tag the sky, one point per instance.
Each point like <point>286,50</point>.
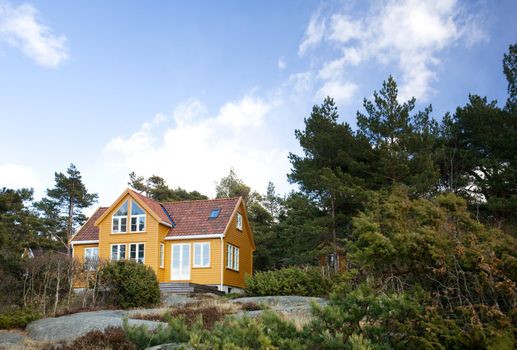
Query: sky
<point>187,90</point>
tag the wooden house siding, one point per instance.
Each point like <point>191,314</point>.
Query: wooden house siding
<point>200,275</point>
<point>242,240</point>
<point>149,237</point>
<point>78,251</point>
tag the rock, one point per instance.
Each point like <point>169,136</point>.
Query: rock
<point>70,327</point>
<point>283,303</point>
<point>294,308</point>
<point>10,338</point>
<point>176,299</point>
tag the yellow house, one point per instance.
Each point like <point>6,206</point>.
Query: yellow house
<point>201,242</point>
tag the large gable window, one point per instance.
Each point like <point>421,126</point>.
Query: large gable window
<point>119,220</point>
<point>137,218</point>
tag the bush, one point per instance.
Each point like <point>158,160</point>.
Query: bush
<point>131,284</point>
<point>113,338</point>
<point>18,318</point>
<point>177,331</point>
<point>306,281</point>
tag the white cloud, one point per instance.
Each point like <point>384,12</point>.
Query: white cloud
<point>248,112</point>
<point>20,27</point>
<point>410,34</point>
<point>344,29</point>
<point>342,92</point>
<point>19,176</point>
<point>281,63</point>
<point>333,69</point>
<point>197,149</point>
<point>313,34</point>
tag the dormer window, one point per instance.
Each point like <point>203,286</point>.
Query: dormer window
<point>119,221</point>
<point>137,218</point>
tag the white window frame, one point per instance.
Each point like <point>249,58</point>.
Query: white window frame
<point>118,245</point>
<point>88,255</point>
<point>118,219</point>
<point>239,221</point>
<point>229,256</point>
<point>201,246</point>
<point>188,272</point>
<point>232,257</point>
<point>136,217</point>
<point>116,222</point>
<point>136,252</point>
<point>162,255</point>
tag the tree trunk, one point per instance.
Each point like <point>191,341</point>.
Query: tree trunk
<point>58,280</point>
<point>69,225</point>
<point>70,273</point>
<point>45,282</point>
<point>334,237</point>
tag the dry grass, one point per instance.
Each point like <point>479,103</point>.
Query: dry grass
<point>211,310</point>
<point>113,338</point>
<point>250,306</point>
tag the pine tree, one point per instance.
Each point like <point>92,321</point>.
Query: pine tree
<point>62,208</point>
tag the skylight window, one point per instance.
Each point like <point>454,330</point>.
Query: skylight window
<point>214,213</point>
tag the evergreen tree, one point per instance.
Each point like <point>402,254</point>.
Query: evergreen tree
<point>232,186</point>
<point>62,208</point>
<point>479,153</point>
<point>328,172</point>
<point>156,187</point>
<point>402,144</point>
<point>19,224</point>
<point>510,71</point>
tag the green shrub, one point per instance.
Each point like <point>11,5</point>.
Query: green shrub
<point>177,331</point>
<point>131,284</point>
<point>306,281</point>
<point>18,318</point>
<point>269,331</point>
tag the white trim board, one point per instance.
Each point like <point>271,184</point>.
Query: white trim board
<point>177,238</point>
<point>84,242</point>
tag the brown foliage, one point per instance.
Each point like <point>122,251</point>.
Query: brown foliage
<point>113,338</point>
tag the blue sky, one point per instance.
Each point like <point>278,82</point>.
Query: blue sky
<point>186,90</point>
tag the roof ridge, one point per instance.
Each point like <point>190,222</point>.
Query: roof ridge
<point>200,200</point>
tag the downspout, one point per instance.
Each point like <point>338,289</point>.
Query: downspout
<point>222,263</point>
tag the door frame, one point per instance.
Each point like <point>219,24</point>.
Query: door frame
<point>182,246</point>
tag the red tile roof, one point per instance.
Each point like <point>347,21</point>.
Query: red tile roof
<point>90,232</point>
<point>154,206</point>
<point>190,217</point>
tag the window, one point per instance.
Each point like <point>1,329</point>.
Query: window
<point>239,221</point>
<point>214,214</point>
<point>232,259</point>
<point>162,257</point>
<point>119,221</point>
<point>202,254</point>
<point>136,252</point>
<point>137,218</point>
<point>91,258</point>
<point>118,252</point>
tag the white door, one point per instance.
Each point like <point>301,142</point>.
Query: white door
<point>180,262</point>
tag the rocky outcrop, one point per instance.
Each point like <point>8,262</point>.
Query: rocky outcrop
<point>70,327</point>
